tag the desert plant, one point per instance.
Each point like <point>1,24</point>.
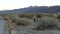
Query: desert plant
<point>38,16</point>
<point>46,23</point>
<point>22,22</point>
<point>58,16</point>
<point>19,21</point>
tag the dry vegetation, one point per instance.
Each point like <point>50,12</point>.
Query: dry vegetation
<point>45,21</point>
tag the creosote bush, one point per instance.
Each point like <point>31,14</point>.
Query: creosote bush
<point>22,22</point>
<point>58,16</point>
<point>19,21</point>
<point>46,23</point>
<point>26,15</point>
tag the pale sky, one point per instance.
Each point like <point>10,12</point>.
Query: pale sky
<point>14,4</point>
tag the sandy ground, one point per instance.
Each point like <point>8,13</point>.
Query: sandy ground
<point>27,30</point>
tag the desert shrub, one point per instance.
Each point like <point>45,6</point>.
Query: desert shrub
<point>58,16</point>
<point>13,19</point>
<point>1,17</point>
<point>38,16</point>
<point>22,22</point>
<point>19,21</point>
<point>46,23</point>
<point>5,18</point>
<point>21,15</point>
<point>26,15</point>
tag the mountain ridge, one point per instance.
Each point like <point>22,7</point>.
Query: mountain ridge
<point>33,9</point>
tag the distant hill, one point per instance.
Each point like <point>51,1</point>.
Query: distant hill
<point>33,9</point>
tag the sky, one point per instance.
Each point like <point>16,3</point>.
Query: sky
<point>15,4</point>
